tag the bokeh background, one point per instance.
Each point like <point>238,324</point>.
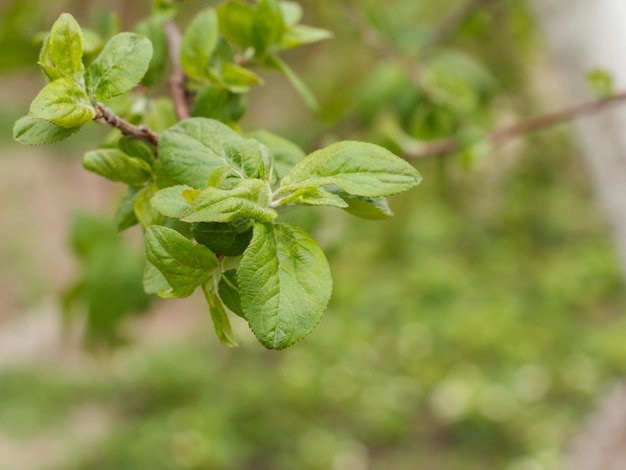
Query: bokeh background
<point>479,328</point>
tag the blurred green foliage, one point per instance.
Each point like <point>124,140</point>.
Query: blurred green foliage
<point>472,331</point>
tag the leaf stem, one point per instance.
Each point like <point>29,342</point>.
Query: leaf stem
<point>106,116</point>
<point>177,79</point>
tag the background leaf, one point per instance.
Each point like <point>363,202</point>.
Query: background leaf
<point>199,41</point>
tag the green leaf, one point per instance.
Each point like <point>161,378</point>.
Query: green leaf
<point>248,199</point>
<point>146,214</point>
<point>62,52</point>
<point>183,264</point>
<point>154,282</point>
<point>236,21</point>
<point>228,239</point>
<point>115,165</point>
<point>269,26</point>
<point>314,196</point>
<point>64,103</point>
<point>154,29</point>
<point>191,150</point>
<point>220,318</point>
<point>120,66</point>
<point>199,42</point>
<point>160,115</point>
<point>358,168</point>
<point>137,149</point>
<point>220,104</point>
<point>303,90</point>
<point>292,13</point>
<point>228,289</point>
<point>238,79</point>
<point>170,201</point>
<point>285,153</point>
<point>31,131</point>
<point>301,34</point>
<point>376,208</point>
<point>125,215</point>
<point>285,284</point>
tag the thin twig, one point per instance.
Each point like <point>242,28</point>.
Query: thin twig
<point>500,136</point>
<point>106,116</point>
<point>177,78</point>
<point>449,26</point>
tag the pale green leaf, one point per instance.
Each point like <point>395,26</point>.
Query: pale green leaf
<point>220,318</point>
<point>314,196</point>
<point>302,34</point>
<point>358,168</point>
<point>285,284</point>
<point>228,289</point>
<point>64,103</point>
<point>248,199</point>
<point>145,213</point>
<point>199,42</point>
<point>154,282</point>
<point>292,13</point>
<point>191,150</point>
<point>37,131</point>
<point>183,264</point>
<point>62,52</point>
<point>115,165</point>
<point>120,66</point>
<point>170,201</point>
<point>376,208</point>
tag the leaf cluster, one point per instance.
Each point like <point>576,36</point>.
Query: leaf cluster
<point>207,195</point>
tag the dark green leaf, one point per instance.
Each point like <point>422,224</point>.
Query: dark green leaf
<point>125,215</point>
<point>376,208</point>
<point>228,239</point>
<point>31,131</point>
<point>228,289</point>
<point>137,149</point>
<point>285,284</point>
<point>183,264</point>
<point>120,66</point>
<point>115,165</point>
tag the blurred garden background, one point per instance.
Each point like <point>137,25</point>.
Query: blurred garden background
<point>477,329</point>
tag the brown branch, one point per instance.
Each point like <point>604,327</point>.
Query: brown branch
<point>177,78</point>
<point>105,116</point>
<point>500,136</point>
<point>450,25</point>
